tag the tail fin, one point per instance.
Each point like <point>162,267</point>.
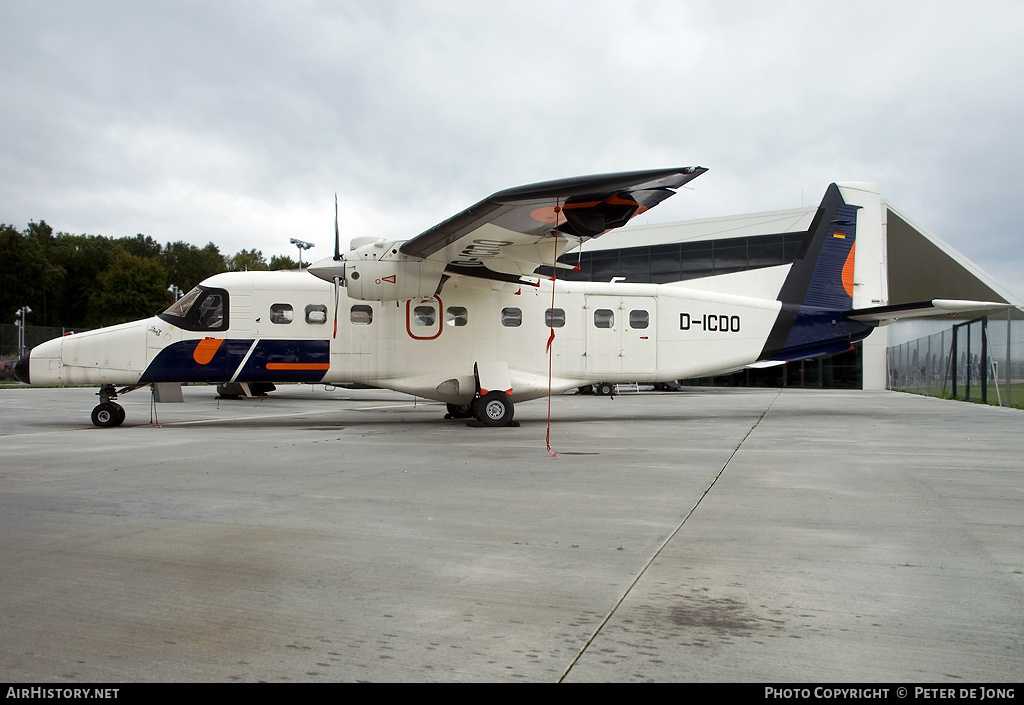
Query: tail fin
<point>819,288</point>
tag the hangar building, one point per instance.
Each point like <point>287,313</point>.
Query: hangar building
<point>897,261</point>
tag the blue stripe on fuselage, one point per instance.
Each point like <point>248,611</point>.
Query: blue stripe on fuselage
<point>309,352</point>
<point>177,363</point>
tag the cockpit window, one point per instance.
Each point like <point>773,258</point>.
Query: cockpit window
<point>202,309</point>
<point>211,312</point>
<point>180,307</point>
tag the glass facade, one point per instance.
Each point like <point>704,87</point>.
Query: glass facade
<point>980,361</point>
<point>661,264</point>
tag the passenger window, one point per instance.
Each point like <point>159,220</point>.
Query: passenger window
<point>361,315</point>
<point>511,317</point>
<point>554,318</point>
<point>638,319</point>
<point>316,313</point>
<point>281,313</point>
<point>423,315</point>
<point>604,318</point>
<point>457,316</point>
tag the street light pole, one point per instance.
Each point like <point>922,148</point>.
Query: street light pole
<point>302,245</point>
<point>21,329</point>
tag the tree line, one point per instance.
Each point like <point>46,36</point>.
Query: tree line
<point>85,281</point>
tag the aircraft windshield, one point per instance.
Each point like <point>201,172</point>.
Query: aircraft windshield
<point>202,309</point>
<point>180,307</point>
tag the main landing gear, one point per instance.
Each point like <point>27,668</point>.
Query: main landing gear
<point>491,406</point>
<point>108,413</point>
<point>492,409</point>
<point>460,411</point>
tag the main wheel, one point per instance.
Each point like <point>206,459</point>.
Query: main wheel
<point>106,415</point>
<point>120,414</point>
<point>604,389</point>
<point>460,411</point>
<point>495,409</point>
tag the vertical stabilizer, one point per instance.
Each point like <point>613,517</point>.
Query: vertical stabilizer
<point>819,287</point>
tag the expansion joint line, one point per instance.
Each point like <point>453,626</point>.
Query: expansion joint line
<point>665,543</point>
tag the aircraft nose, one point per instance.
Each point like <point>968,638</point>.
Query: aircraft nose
<point>21,367</point>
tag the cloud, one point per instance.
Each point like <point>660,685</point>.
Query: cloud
<point>237,121</point>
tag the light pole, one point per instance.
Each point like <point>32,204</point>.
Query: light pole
<point>175,291</point>
<point>302,245</point>
<point>21,329</point>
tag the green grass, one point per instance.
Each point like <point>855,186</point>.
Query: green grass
<point>1016,394</point>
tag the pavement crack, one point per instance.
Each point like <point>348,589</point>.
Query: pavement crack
<point>629,588</point>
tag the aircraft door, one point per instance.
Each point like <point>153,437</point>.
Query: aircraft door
<point>424,320</point>
<point>639,342</point>
<point>621,337</point>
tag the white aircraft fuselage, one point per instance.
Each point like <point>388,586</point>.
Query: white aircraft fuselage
<point>280,328</point>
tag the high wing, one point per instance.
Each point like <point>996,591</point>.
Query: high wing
<point>514,231</point>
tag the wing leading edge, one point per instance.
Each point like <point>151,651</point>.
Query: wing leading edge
<point>516,230</point>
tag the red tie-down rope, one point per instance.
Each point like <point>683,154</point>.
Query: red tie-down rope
<point>551,325</point>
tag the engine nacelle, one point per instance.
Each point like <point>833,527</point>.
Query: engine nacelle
<point>375,270</point>
<point>392,280</point>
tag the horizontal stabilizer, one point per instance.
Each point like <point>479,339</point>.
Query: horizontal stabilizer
<point>764,364</point>
<point>935,307</point>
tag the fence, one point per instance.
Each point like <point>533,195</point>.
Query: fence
<point>981,360</point>
<point>33,336</point>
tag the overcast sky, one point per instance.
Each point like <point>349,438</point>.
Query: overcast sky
<point>236,122</point>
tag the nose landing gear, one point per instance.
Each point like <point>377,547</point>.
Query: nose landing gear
<point>108,413</point>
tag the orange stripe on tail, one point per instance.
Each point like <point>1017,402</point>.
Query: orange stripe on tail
<point>848,271</point>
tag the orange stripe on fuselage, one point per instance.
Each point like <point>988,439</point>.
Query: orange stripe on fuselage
<point>298,366</point>
<point>206,349</point>
<point>848,271</point>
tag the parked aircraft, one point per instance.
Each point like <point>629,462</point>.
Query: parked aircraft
<point>456,314</point>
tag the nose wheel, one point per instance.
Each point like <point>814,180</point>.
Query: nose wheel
<point>107,414</point>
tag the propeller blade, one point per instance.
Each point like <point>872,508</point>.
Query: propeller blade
<point>337,238</point>
<point>337,285</point>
